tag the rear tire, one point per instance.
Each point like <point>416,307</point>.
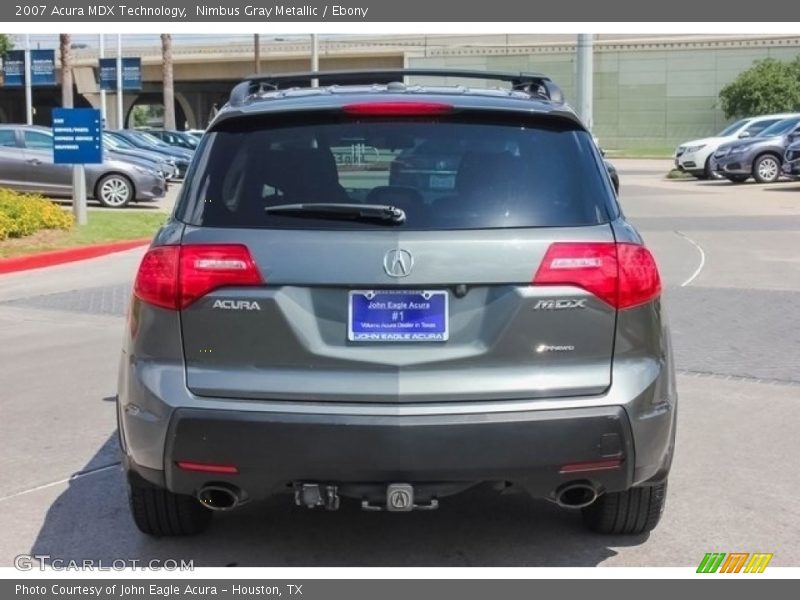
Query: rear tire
<point>632,512</point>
<point>159,512</point>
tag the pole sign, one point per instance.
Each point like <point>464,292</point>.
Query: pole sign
<point>131,74</point>
<point>14,68</point>
<point>107,71</point>
<point>77,136</point>
<point>43,67</point>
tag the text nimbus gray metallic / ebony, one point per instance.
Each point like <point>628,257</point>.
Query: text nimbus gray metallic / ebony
<point>281,10</point>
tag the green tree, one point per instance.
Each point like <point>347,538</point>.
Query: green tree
<point>140,116</point>
<point>769,86</point>
<point>5,44</point>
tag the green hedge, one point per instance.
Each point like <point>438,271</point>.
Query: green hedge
<point>24,214</point>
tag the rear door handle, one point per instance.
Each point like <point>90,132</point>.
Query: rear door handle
<point>34,161</point>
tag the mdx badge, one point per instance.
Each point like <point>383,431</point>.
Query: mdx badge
<point>236,305</point>
<point>559,304</point>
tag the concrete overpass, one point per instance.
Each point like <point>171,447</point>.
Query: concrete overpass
<point>650,91</point>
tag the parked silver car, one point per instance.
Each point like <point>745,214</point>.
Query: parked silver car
<point>26,165</point>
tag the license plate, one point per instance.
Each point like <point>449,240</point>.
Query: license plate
<point>397,316</point>
<point>442,182</point>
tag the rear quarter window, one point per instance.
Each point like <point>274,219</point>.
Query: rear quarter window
<point>446,173</point>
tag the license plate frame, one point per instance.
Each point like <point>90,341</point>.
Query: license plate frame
<point>415,324</point>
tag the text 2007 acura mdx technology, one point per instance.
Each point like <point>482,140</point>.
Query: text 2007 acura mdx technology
<point>391,293</point>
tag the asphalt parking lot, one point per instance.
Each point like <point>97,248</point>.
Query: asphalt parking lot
<point>730,260</point>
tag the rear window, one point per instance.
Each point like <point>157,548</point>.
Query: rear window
<point>444,174</point>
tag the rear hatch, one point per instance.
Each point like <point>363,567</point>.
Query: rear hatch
<point>364,256</point>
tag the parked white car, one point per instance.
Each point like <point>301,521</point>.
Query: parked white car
<point>694,156</point>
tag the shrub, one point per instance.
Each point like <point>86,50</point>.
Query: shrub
<point>769,86</point>
<point>24,214</point>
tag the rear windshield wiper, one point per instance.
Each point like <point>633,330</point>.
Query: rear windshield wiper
<point>336,210</point>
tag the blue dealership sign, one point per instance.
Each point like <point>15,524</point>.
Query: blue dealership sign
<point>43,67</point>
<point>107,71</point>
<point>14,68</point>
<point>131,74</point>
<point>77,136</point>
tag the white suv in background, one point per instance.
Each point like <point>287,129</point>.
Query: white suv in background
<point>693,156</point>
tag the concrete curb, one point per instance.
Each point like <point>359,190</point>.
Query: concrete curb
<point>58,257</point>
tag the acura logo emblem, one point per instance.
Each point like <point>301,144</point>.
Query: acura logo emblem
<point>398,262</point>
<point>400,499</point>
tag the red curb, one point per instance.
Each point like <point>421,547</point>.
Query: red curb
<point>58,257</point>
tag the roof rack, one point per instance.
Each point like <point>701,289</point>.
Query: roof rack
<point>534,84</point>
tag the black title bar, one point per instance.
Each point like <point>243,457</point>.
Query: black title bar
<point>355,11</point>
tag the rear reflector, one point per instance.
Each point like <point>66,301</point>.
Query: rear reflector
<point>597,465</point>
<point>623,275</point>
<point>397,109</point>
<point>207,467</point>
<point>174,277</point>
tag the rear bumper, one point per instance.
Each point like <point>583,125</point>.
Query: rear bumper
<point>530,449</point>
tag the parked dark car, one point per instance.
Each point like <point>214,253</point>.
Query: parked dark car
<point>791,161</point>
<point>145,141</point>
<point>179,139</point>
<point>326,316</point>
<point>127,151</point>
<point>26,165</point>
<point>759,157</point>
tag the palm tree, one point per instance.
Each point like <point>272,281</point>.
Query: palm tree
<point>65,49</point>
<point>167,79</point>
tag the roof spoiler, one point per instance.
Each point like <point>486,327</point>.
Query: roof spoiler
<point>534,84</point>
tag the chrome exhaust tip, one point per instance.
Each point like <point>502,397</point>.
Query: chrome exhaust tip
<point>576,495</point>
<point>219,497</point>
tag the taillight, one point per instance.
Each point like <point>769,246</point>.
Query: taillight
<point>157,278</point>
<point>204,268</point>
<point>639,281</point>
<point>174,277</point>
<point>623,275</point>
<point>397,109</point>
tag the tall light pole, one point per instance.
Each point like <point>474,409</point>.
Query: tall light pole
<point>28,88</point>
<point>102,90</point>
<point>585,63</point>
<point>120,116</point>
<point>314,58</point>
<point>257,52</point>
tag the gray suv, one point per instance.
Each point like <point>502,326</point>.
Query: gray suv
<point>759,157</point>
<point>387,294</point>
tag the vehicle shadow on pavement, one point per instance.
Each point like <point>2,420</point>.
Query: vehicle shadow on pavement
<point>788,186</point>
<point>90,520</point>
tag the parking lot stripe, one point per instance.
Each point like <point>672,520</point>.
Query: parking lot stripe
<point>702,258</point>
<point>74,477</point>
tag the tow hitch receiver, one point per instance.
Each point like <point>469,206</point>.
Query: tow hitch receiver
<point>312,495</point>
<point>400,498</point>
